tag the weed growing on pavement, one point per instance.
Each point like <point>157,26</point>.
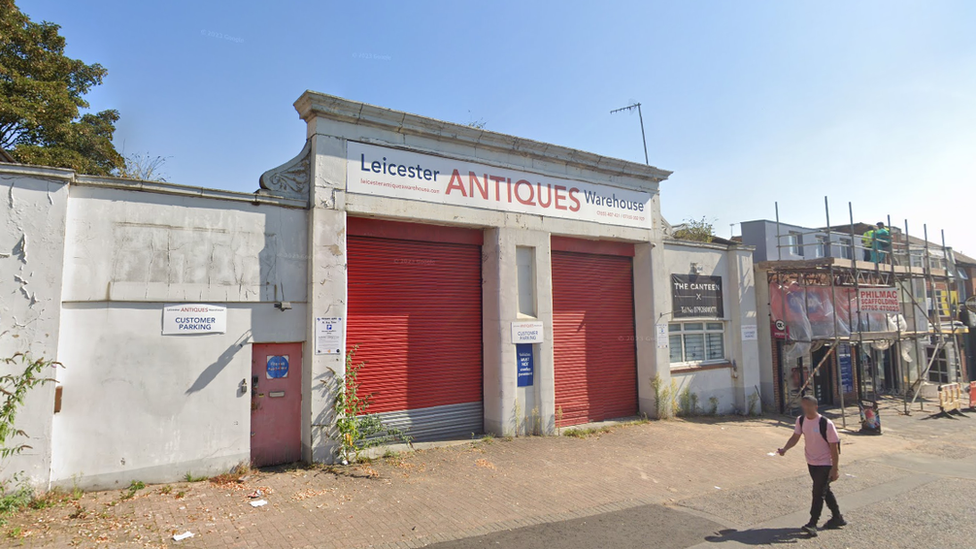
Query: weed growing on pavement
<point>488,438</point>
<point>15,492</point>
<point>134,487</point>
<point>189,477</point>
<point>664,397</point>
<point>688,403</point>
<point>180,494</point>
<point>518,417</point>
<point>583,433</point>
<point>165,490</point>
<point>14,388</point>
<point>754,408</point>
<point>559,420</point>
<point>536,422</point>
<point>355,429</point>
<point>234,476</point>
<point>79,512</point>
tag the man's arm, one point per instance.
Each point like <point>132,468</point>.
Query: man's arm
<point>789,444</point>
<point>834,461</point>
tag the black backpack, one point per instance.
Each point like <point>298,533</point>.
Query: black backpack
<point>823,429</point>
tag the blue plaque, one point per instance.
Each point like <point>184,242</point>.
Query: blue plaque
<point>526,364</point>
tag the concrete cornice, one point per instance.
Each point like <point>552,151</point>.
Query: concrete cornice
<point>183,190</point>
<point>313,104</point>
<point>708,245</point>
<point>44,172</point>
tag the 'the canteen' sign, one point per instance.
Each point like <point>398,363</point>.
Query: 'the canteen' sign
<point>194,319</point>
<point>409,175</point>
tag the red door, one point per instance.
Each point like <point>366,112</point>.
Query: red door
<point>414,317</point>
<point>276,403</point>
<point>593,331</point>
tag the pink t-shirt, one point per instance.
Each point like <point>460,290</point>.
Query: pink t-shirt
<point>814,446</point>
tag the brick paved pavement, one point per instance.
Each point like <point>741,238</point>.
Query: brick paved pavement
<point>448,493</point>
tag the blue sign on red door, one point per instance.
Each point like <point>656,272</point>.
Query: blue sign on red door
<point>277,366</point>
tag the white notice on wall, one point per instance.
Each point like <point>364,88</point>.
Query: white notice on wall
<point>328,335</point>
<point>194,318</point>
<point>750,332</point>
<point>527,332</point>
<point>662,336</point>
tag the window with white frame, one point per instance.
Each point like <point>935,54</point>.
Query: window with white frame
<point>823,246</point>
<point>845,248</point>
<point>794,242</point>
<point>696,342</point>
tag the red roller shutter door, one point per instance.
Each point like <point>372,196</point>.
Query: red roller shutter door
<point>593,335</point>
<point>414,312</point>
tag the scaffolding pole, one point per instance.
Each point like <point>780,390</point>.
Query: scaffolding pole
<point>833,299</point>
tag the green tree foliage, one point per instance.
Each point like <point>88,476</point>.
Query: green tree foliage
<point>699,230</point>
<point>41,95</point>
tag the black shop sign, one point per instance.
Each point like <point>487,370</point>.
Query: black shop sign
<point>695,296</point>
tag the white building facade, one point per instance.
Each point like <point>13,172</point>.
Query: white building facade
<point>487,283</point>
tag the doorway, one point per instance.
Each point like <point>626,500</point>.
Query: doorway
<point>276,403</point>
<point>823,380</point>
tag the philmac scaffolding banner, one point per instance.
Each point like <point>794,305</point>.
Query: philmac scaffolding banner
<point>395,173</point>
<point>878,300</point>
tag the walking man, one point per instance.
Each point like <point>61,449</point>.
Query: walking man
<point>821,444</point>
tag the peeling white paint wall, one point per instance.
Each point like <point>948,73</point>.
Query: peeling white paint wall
<point>139,246</point>
<point>140,405</point>
<point>33,204</point>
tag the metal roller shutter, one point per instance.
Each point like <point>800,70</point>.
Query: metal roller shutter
<point>414,312</point>
<point>593,336</point>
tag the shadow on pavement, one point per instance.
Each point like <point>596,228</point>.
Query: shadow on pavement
<point>758,536</point>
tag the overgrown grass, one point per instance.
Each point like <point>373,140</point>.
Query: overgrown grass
<point>576,432</point>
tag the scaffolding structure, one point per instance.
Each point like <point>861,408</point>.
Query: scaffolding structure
<point>819,301</point>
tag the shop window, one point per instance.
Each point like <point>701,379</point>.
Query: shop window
<point>696,342</point>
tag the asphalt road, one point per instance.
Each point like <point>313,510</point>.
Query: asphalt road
<point>899,501</point>
<point>645,526</point>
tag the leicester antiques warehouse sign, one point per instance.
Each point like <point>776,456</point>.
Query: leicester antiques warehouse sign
<point>694,296</point>
<point>401,174</point>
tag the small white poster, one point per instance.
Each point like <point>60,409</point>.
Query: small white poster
<point>194,318</point>
<point>662,336</point>
<point>750,332</point>
<point>328,335</point>
<point>527,332</point>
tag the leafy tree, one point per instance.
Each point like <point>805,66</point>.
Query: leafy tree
<point>41,95</point>
<point>699,230</point>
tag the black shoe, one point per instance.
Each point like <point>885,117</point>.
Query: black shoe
<point>835,522</point>
<point>810,529</point>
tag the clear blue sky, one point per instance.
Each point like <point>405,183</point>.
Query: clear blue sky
<point>748,102</point>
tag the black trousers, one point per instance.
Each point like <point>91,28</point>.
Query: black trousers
<point>821,492</point>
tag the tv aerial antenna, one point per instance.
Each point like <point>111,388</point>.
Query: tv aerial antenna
<point>641,115</point>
